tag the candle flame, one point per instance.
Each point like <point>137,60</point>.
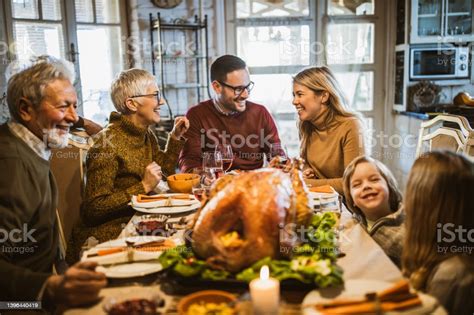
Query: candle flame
<point>264,273</point>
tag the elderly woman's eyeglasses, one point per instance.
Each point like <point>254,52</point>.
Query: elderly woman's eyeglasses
<point>239,89</point>
<point>157,94</point>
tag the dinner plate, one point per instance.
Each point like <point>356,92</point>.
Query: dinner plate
<point>324,201</point>
<point>127,270</point>
<point>162,202</point>
<point>132,270</point>
<point>358,288</point>
<point>157,207</point>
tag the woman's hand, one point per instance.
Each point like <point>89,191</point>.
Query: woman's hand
<point>152,176</point>
<point>309,173</point>
<point>181,125</point>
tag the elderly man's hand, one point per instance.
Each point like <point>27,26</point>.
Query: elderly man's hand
<point>181,125</point>
<point>80,285</point>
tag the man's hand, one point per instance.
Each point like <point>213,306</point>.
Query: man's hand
<point>181,125</point>
<point>152,176</point>
<point>78,286</point>
<point>91,127</point>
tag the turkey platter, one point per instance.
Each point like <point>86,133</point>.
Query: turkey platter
<point>248,216</point>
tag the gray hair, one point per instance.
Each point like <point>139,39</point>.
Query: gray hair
<point>63,65</point>
<point>30,83</point>
<point>127,84</point>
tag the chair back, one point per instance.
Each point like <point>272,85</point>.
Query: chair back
<point>448,132</point>
<point>68,167</point>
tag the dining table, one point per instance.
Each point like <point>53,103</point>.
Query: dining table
<point>362,259</point>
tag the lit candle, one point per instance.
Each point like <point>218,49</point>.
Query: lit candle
<point>265,293</point>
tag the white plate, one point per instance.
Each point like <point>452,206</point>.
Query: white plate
<point>127,270</point>
<point>137,269</point>
<point>150,207</point>
<point>358,288</point>
<point>169,210</point>
<point>162,202</point>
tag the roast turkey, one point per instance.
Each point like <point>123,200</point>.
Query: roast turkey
<point>247,218</point>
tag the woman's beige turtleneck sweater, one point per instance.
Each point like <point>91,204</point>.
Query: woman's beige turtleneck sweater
<point>330,149</point>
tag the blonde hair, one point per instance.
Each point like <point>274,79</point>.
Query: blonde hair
<point>394,193</point>
<point>127,84</point>
<point>440,189</point>
<point>319,80</point>
<point>30,83</point>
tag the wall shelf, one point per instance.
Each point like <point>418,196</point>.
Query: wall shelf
<point>180,60</point>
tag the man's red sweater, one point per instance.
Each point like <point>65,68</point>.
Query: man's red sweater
<point>250,134</point>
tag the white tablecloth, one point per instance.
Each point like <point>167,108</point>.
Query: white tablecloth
<point>364,259</point>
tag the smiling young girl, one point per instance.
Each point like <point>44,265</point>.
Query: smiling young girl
<point>438,255</point>
<point>331,133</point>
<point>373,196</point>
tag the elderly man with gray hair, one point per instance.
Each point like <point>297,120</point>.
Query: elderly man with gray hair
<point>125,159</point>
<point>42,102</point>
<point>67,68</point>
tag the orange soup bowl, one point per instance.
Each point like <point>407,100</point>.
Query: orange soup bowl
<point>203,298</point>
<point>183,183</point>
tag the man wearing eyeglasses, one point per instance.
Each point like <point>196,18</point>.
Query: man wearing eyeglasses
<point>229,118</point>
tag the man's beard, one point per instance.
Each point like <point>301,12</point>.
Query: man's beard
<point>54,139</point>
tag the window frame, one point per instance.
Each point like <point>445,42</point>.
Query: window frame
<point>318,12</point>
<point>377,67</point>
<point>232,23</point>
<point>70,42</point>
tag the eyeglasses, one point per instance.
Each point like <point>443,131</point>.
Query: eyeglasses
<point>239,89</point>
<point>157,94</point>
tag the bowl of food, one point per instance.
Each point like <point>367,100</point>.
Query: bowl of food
<point>183,183</point>
<point>208,302</point>
<point>153,224</point>
<point>136,300</point>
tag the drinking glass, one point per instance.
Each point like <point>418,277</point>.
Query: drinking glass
<point>200,191</point>
<point>227,155</point>
<point>212,165</point>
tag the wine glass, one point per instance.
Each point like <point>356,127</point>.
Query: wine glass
<point>200,191</point>
<point>212,165</point>
<point>227,155</point>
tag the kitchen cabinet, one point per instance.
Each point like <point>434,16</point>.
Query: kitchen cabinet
<point>435,21</point>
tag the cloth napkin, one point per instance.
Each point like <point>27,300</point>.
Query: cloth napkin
<point>139,254</point>
<point>163,202</point>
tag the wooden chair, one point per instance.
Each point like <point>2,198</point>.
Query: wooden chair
<point>68,167</point>
<point>448,132</point>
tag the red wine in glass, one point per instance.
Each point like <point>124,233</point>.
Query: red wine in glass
<point>199,193</point>
<point>226,164</point>
<point>218,172</point>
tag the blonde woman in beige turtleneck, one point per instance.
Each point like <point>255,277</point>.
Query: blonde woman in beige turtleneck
<point>331,133</point>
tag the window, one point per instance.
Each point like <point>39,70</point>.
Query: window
<point>38,29</point>
<point>279,38</point>
<point>273,37</point>
<point>350,52</point>
<point>45,27</point>
<point>98,30</point>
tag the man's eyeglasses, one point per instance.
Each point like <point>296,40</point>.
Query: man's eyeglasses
<point>157,94</point>
<point>239,89</point>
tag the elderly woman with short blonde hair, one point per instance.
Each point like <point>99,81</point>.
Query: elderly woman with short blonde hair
<point>126,159</point>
